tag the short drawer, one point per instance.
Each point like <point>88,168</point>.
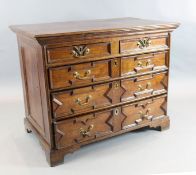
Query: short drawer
<point>144,111</point>
<point>77,53</point>
<point>144,86</point>
<point>143,43</point>
<point>86,99</point>
<point>90,127</point>
<point>80,74</point>
<point>143,63</point>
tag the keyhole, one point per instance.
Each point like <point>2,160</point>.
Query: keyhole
<point>115,63</point>
<point>116,111</point>
<point>116,85</point>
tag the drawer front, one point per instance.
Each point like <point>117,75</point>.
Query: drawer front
<point>90,127</point>
<point>81,100</point>
<point>144,63</point>
<point>77,53</point>
<point>80,74</point>
<point>143,44</point>
<point>144,111</point>
<point>75,131</point>
<point>72,102</point>
<point>144,86</point>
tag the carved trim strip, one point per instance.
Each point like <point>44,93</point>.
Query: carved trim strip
<point>58,139</point>
<point>159,117</point>
<point>152,119</point>
<point>146,91</point>
<point>130,126</point>
<point>57,102</point>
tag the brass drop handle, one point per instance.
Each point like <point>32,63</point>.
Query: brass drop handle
<point>148,85</point>
<point>80,51</point>
<point>141,88</point>
<point>144,43</point>
<point>141,113</point>
<point>145,115</point>
<point>80,77</point>
<point>148,111</point>
<point>146,64</point>
<point>139,64</point>
<point>84,132</point>
<point>86,101</point>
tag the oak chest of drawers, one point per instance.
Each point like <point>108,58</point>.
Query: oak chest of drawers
<point>90,80</point>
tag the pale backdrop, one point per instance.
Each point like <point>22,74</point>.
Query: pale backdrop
<point>139,153</point>
<point>36,11</point>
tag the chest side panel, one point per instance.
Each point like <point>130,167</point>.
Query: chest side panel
<point>33,75</point>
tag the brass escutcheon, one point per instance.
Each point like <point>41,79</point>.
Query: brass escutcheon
<point>79,51</point>
<point>116,111</point>
<point>116,85</point>
<point>115,63</point>
<point>144,43</point>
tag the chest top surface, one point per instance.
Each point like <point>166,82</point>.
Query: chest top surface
<point>89,26</point>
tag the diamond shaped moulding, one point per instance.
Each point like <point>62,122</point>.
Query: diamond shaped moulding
<point>115,92</point>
